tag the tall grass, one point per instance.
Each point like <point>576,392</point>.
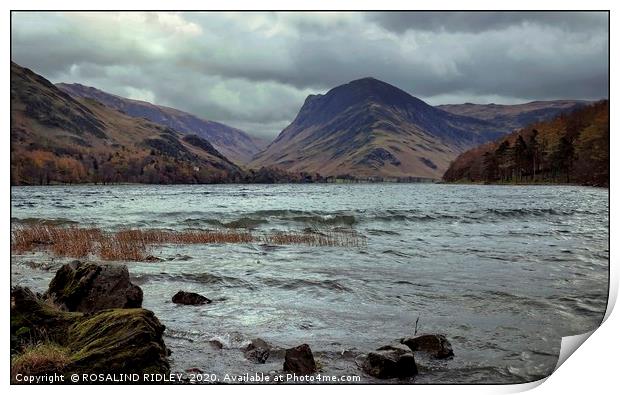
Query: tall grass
<point>63,241</point>
<point>39,359</point>
<point>318,239</point>
<point>134,244</point>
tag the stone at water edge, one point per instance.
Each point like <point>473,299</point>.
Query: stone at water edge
<point>216,343</point>
<point>257,351</point>
<point>118,341</point>
<point>299,360</point>
<point>390,362</point>
<point>89,287</point>
<point>435,345</point>
<point>110,341</point>
<point>152,258</point>
<point>189,298</point>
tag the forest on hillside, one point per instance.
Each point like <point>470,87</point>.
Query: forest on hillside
<point>572,148</point>
<point>44,167</point>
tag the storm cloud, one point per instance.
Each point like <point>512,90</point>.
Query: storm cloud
<point>254,70</point>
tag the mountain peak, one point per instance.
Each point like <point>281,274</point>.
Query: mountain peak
<point>366,80</point>
<point>371,83</point>
<point>370,89</point>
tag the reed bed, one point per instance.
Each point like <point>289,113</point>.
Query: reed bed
<point>316,239</point>
<point>134,244</point>
<point>63,241</point>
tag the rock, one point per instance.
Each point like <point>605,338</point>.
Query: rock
<point>118,341</point>
<point>110,341</point>
<point>152,258</point>
<point>257,351</point>
<point>435,345</point>
<point>194,371</point>
<point>299,360</point>
<point>390,362</point>
<point>216,343</point>
<point>192,298</point>
<point>87,287</point>
<point>179,257</point>
<point>32,319</point>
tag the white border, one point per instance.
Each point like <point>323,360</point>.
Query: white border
<point>592,368</point>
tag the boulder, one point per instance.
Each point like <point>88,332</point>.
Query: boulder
<point>299,360</point>
<point>390,362</point>
<point>32,319</point>
<point>88,287</point>
<point>191,298</point>
<point>118,341</point>
<point>216,343</point>
<point>434,345</point>
<point>108,341</point>
<point>257,351</point>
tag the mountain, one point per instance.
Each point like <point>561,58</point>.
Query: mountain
<point>515,116</point>
<point>233,143</point>
<point>571,148</point>
<point>368,128</point>
<point>58,138</point>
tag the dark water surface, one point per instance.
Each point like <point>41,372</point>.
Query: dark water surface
<point>503,271</point>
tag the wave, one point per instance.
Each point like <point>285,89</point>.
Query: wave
<point>293,284</point>
<point>245,222</point>
<point>329,219</point>
<point>201,278</point>
<point>43,221</point>
<point>351,218</point>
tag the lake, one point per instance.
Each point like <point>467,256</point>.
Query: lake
<point>503,271</point>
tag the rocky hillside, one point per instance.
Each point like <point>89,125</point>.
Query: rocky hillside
<point>235,144</point>
<point>571,148</point>
<point>516,116</point>
<point>368,128</point>
<point>58,138</point>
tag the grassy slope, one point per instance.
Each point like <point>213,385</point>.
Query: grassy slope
<point>56,138</point>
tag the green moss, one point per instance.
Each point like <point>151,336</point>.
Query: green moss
<point>110,341</point>
<point>43,322</point>
<point>22,331</point>
<point>118,340</point>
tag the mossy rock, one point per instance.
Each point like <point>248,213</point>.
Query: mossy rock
<point>89,287</point>
<point>118,341</point>
<point>33,320</point>
<point>71,283</point>
<point>109,341</point>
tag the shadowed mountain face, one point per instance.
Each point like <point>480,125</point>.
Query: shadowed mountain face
<point>58,138</point>
<point>368,128</point>
<point>516,116</point>
<point>235,144</point>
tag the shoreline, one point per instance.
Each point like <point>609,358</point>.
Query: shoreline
<point>520,184</point>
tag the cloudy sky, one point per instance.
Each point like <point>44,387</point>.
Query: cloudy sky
<point>254,70</point>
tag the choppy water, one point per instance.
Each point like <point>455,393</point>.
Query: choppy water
<point>503,271</point>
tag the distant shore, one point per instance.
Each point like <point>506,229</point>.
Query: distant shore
<point>538,183</point>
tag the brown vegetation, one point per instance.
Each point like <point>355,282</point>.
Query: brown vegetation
<point>134,244</point>
<point>321,239</point>
<point>64,241</point>
<point>40,359</point>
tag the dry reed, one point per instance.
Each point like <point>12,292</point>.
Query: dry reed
<point>134,244</point>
